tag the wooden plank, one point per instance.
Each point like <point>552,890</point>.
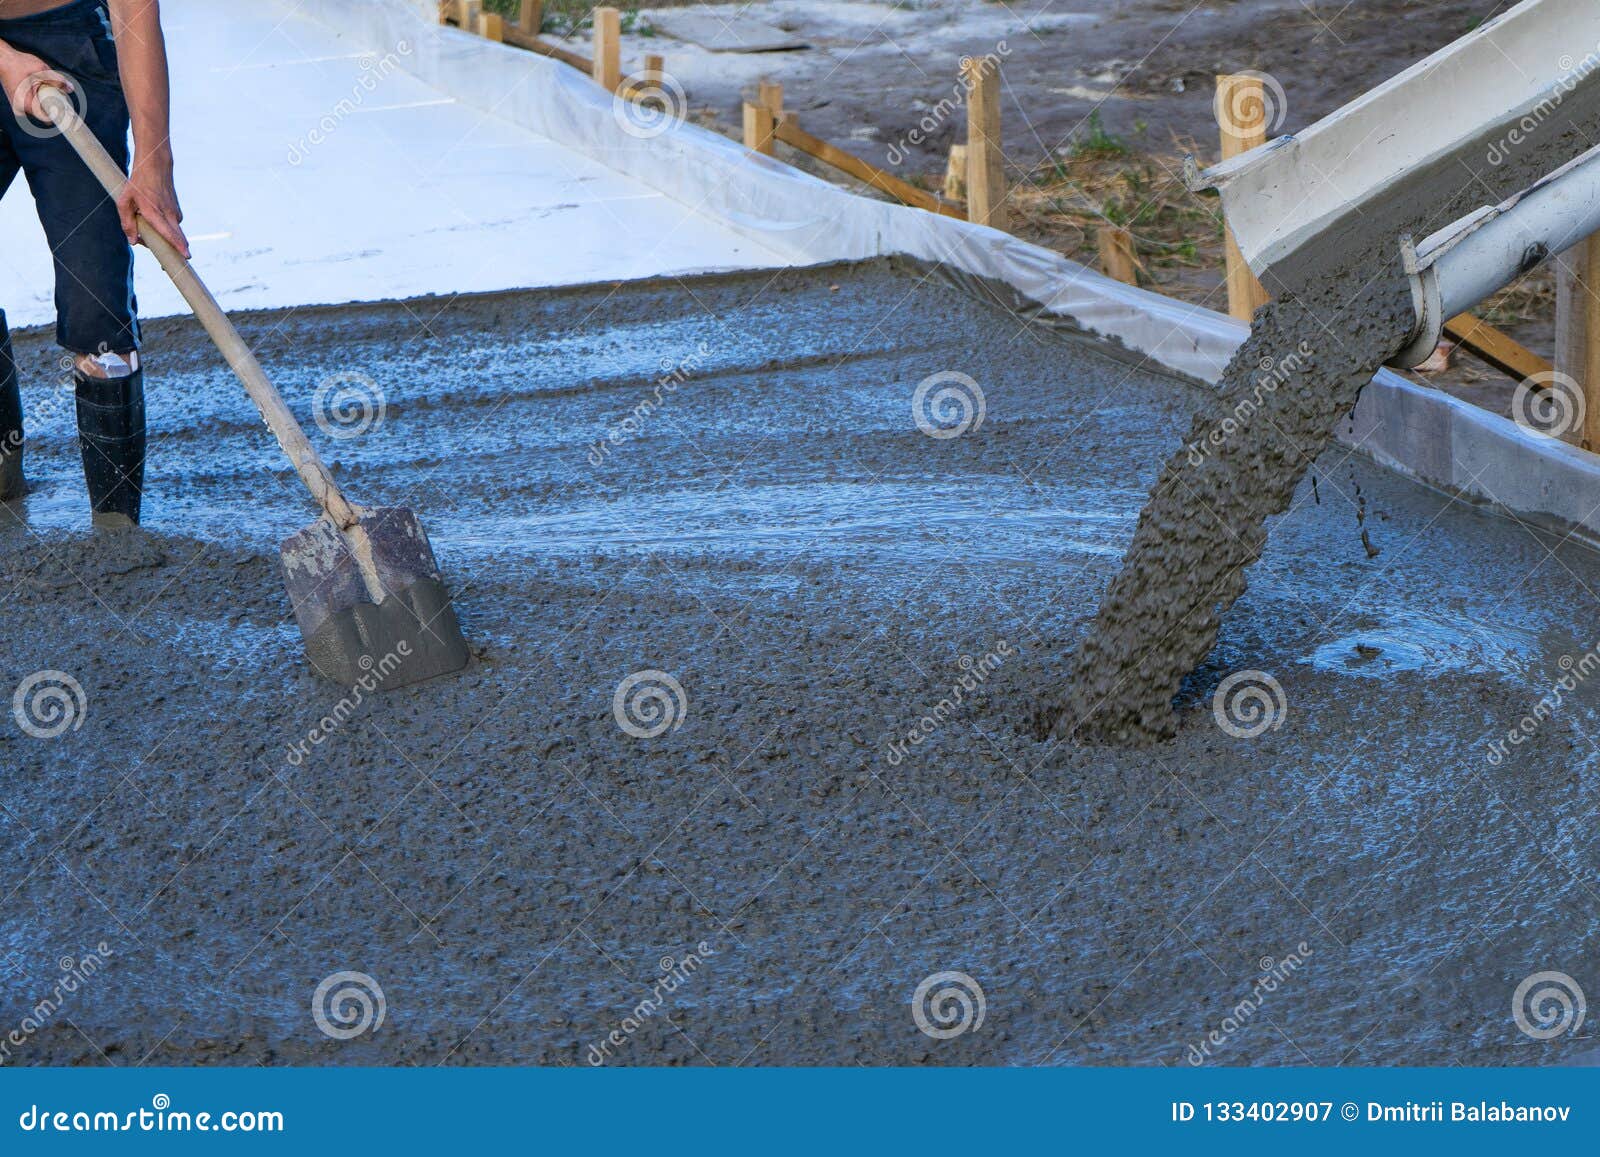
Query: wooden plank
<point>522,39</point>
<point>1244,127</point>
<point>790,133</point>
<point>1496,347</point>
<point>608,48</point>
<point>1117,260</point>
<point>530,16</point>
<point>758,128</point>
<point>986,173</point>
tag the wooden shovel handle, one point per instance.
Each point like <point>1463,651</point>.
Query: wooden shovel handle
<point>266,397</point>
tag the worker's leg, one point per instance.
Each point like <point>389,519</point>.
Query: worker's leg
<point>95,308</point>
<point>11,481</point>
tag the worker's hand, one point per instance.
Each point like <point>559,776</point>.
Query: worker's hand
<point>150,194</point>
<point>23,77</point>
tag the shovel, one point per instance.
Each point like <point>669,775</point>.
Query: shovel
<point>367,594</point>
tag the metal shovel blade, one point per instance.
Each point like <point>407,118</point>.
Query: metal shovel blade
<point>408,636</point>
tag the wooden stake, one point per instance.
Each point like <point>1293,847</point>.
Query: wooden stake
<point>654,66</point>
<point>1245,103</point>
<point>758,128</point>
<point>608,48</point>
<point>986,174</point>
<point>1117,259</point>
<point>468,13</point>
<point>492,26</point>
<point>1591,344</point>
<point>772,98</point>
<point>530,16</point>
<point>955,174</point>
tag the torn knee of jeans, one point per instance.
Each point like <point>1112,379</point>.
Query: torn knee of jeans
<point>109,365</point>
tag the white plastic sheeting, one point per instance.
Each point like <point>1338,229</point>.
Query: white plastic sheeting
<point>315,166</point>
<point>1412,429</point>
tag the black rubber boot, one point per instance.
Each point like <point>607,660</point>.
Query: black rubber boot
<point>111,436</point>
<point>12,484</point>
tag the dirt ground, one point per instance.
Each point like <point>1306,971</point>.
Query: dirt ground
<point>1101,100</point>
<point>840,801</point>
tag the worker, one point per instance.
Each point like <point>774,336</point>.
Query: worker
<point>109,57</point>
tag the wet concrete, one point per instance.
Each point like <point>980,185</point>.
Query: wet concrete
<point>1341,308</point>
<point>514,870</point>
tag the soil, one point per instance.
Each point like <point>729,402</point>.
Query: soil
<point>1135,78</point>
<point>773,531</point>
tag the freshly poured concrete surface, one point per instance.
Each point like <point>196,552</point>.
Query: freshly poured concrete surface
<point>779,537</point>
<point>314,169</point>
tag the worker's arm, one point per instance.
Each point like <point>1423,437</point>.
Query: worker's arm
<point>142,60</point>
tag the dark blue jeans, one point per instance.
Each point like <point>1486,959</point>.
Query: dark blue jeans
<point>95,307</point>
